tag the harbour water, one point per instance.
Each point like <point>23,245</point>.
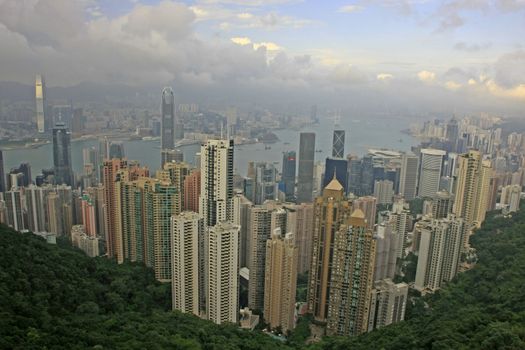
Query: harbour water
<point>360,136</point>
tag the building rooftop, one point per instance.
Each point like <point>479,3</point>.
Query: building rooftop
<point>334,185</point>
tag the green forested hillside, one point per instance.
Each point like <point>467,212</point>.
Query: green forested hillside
<point>55,297</point>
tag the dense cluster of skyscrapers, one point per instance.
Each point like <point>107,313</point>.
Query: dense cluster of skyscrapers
<point>347,222</point>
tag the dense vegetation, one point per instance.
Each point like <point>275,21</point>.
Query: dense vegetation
<point>55,297</point>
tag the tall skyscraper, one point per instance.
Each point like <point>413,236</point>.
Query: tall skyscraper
<point>222,273</point>
<point>430,172</point>
<point>288,175</point>
<point>167,111</point>
<point>399,218</point>
<point>14,204</point>
<point>303,234</point>
<point>192,190</point>
<point>352,277</point>
<point>338,168</point>
<point>280,281</point>
<point>472,195</point>
<point>331,210</point>
<point>384,191</point>
<point>306,167</point>
<point>187,246</point>
<point>441,205</point>
<point>241,218</point>
<point>116,150</point>
<point>265,182</point>
<point>368,206</point>
<point>338,144</point>
<point>110,169</point>
<point>452,133</point>
<point>440,247</point>
<point>62,155</point>
<point>408,176</point>
<point>170,155</point>
<point>147,205</point>
<point>387,248</point>
<point>510,198</point>
<point>89,214</point>
<point>2,173</point>
<point>19,176</point>
<point>36,208</point>
<point>215,202</point>
<point>387,304</point>
<point>175,173</point>
<point>260,231</point>
<point>42,122</point>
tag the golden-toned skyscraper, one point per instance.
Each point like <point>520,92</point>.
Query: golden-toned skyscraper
<point>280,281</point>
<point>472,193</point>
<point>352,277</point>
<point>368,206</point>
<point>331,210</point>
<point>42,121</point>
<point>110,170</point>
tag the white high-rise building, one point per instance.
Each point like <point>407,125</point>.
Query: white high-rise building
<point>216,198</point>
<point>430,171</point>
<point>187,244</point>
<point>222,273</point>
<point>439,251</point>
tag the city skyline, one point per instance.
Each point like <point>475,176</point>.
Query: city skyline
<point>300,173</point>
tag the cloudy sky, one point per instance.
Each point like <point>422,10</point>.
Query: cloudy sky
<point>467,54</point>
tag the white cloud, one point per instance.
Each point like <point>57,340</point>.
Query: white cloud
<point>517,92</point>
<point>156,45</point>
<point>245,15</point>
<point>384,76</point>
<point>426,76</point>
<point>268,45</point>
<point>350,8</point>
<point>241,40</point>
<point>452,85</point>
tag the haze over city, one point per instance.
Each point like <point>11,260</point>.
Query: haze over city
<point>262,174</point>
<point>407,56</point>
